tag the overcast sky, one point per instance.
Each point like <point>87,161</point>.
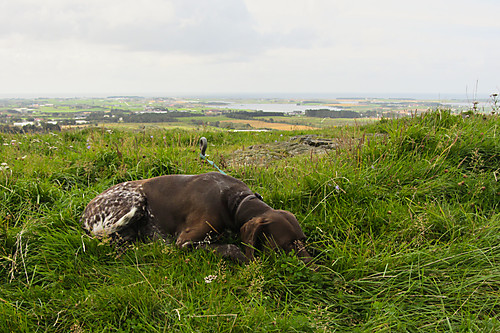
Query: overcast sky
<point>222,47</point>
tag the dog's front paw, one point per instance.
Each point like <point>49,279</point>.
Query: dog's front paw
<point>233,252</point>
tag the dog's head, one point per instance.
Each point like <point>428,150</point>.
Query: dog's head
<point>276,229</point>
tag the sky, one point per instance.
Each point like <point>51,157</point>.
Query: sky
<point>329,48</point>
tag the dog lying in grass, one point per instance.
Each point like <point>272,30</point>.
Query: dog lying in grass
<point>197,210</point>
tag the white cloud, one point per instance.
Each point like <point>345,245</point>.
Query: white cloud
<point>248,46</point>
<point>215,27</point>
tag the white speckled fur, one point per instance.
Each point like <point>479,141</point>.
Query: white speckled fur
<point>115,209</point>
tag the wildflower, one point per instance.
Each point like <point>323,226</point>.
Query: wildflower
<point>210,278</point>
<point>88,147</point>
<point>337,187</point>
<point>151,136</point>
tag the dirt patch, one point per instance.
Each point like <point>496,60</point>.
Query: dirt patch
<point>263,154</point>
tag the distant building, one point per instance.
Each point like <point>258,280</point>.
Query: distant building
<point>24,123</point>
<point>214,112</point>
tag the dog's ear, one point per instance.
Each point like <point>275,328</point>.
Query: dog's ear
<point>249,233</point>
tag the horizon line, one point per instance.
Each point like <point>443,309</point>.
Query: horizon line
<point>257,95</point>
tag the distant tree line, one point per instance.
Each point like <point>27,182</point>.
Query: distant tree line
<point>214,103</point>
<point>326,113</point>
<point>180,114</point>
<point>148,118</point>
<point>156,117</point>
<point>312,102</point>
<point>84,107</point>
<point>252,114</point>
<point>42,128</point>
<point>128,117</point>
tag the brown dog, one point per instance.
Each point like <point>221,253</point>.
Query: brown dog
<point>196,209</point>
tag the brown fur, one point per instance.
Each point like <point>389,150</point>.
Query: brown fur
<point>197,210</point>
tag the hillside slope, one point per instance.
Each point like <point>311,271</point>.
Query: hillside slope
<point>403,218</point>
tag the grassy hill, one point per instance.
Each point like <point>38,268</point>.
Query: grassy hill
<point>403,220</point>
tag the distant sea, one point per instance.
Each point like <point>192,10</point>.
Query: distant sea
<point>264,95</point>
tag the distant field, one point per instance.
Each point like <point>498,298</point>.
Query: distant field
<point>278,123</point>
<point>314,122</point>
<point>264,124</point>
<point>140,126</point>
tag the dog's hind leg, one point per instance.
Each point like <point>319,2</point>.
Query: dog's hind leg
<point>194,236</point>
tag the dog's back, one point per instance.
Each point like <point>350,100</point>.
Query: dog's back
<point>158,207</point>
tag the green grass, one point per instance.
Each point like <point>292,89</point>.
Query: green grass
<point>319,122</point>
<point>192,123</point>
<point>403,220</point>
